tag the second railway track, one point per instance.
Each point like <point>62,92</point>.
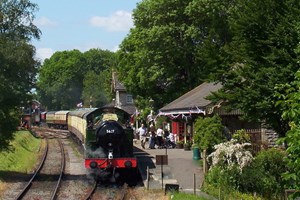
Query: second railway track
<point>46,180</point>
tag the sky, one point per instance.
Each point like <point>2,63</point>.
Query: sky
<point>81,24</point>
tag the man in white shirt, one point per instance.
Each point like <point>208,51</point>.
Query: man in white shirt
<point>142,132</point>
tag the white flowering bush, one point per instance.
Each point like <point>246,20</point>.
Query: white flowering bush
<point>233,168</point>
<point>230,154</point>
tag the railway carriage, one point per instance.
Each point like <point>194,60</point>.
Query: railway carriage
<point>77,123</point>
<point>108,142</point>
<point>61,119</point>
<point>43,117</point>
<point>50,116</point>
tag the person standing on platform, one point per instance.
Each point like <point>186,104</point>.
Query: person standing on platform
<point>159,136</point>
<point>152,137</point>
<point>143,133</point>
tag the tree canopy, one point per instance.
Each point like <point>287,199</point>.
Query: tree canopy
<point>71,77</point>
<point>18,67</point>
<point>288,95</point>
<point>158,55</point>
<point>260,55</point>
<point>248,46</point>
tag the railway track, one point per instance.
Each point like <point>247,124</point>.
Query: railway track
<point>46,180</point>
<point>110,193</point>
<point>50,132</point>
<point>91,192</point>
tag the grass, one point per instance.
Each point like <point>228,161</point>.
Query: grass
<point>225,193</point>
<point>184,196</point>
<point>23,156</point>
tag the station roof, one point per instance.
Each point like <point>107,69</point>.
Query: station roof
<point>193,101</point>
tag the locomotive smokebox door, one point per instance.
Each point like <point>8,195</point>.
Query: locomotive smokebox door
<point>110,134</point>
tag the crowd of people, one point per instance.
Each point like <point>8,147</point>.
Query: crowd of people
<point>156,138</point>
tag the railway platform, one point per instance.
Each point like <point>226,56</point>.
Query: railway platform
<point>180,169</point>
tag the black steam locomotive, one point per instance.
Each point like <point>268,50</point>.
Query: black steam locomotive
<point>107,138</point>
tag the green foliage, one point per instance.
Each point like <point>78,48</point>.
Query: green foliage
<point>93,93</point>
<point>98,60</point>
<point>18,67</point>
<point>158,54</point>
<point>225,194</point>
<point>185,196</point>
<point>248,46</point>
<point>160,120</point>
<point>227,179</point>
<point>262,176</point>
<point>8,123</point>
<point>24,155</point>
<point>70,77</point>
<point>208,132</point>
<point>16,18</point>
<point>259,56</point>
<point>241,136</point>
<point>60,81</point>
<point>292,176</point>
<point>289,100</point>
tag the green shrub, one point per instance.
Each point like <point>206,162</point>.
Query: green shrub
<point>227,194</point>
<point>223,178</point>
<point>208,132</point>
<point>264,175</point>
<point>241,136</point>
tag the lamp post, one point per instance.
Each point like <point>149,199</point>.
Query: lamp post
<point>151,101</point>
<point>150,117</point>
<point>91,100</point>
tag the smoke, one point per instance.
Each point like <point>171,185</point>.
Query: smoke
<point>97,153</point>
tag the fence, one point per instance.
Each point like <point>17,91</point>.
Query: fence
<point>255,138</point>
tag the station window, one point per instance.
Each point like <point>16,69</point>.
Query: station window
<point>129,99</point>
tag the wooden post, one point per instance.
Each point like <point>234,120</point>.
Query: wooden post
<point>204,162</point>
<point>194,184</point>
<point>147,187</point>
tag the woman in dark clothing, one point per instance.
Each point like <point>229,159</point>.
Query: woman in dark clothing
<point>152,140</point>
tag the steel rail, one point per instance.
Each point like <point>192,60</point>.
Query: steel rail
<point>62,169</point>
<point>26,188</point>
<point>91,192</point>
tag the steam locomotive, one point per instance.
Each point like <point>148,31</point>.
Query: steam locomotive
<point>107,138</point>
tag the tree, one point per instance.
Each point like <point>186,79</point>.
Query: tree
<point>288,96</point>
<point>102,63</point>
<point>208,132</point>
<point>70,77</point>
<point>99,60</point>
<point>18,66</point>
<point>16,20</point>
<point>260,55</point>
<point>93,90</point>
<point>60,81</point>
<point>158,55</point>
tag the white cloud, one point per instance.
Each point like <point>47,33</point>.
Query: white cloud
<point>43,53</point>
<point>115,49</point>
<point>44,21</point>
<point>118,21</point>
